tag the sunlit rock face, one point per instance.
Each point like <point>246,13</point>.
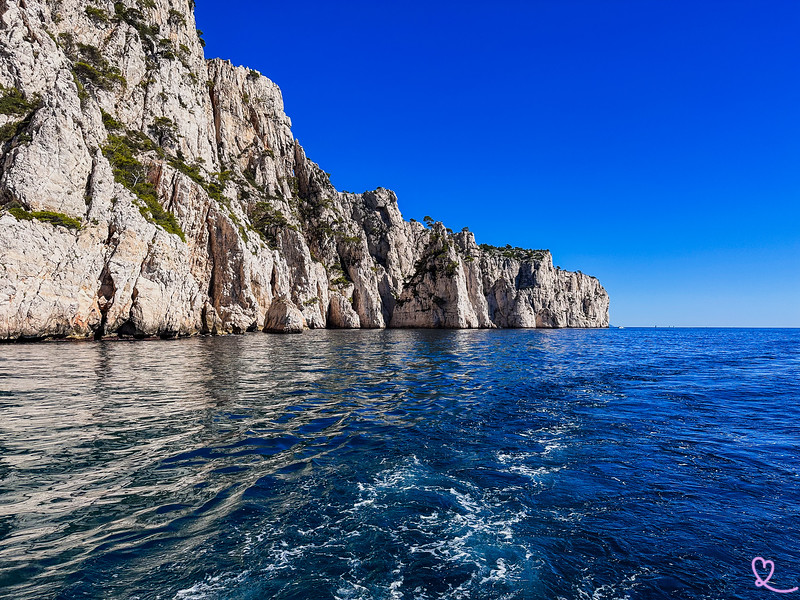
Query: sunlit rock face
<point>146,191</point>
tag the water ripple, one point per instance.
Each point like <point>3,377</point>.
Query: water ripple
<point>401,464</point>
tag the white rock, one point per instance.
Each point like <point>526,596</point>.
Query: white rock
<point>284,317</point>
<point>276,227</point>
<point>341,314</point>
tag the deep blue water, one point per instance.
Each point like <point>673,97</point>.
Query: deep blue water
<point>571,464</point>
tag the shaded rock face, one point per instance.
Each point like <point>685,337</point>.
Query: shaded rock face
<point>341,314</point>
<point>146,191</point>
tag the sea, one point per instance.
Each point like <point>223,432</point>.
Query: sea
<point>403,464</point>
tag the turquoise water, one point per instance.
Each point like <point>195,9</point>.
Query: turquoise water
<point>635,463</point>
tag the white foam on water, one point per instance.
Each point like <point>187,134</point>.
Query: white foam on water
<point>350,590</point>
<point>552,431</point>
<point>467,528</point>
<point>587,589</point>
<point>497,574</point>
<point>366,502</point>
<point>395,588</point>
<point>466,502</point>
<point>551,447</point>
<point>211,587</point>
<point>535,474</point>
<point>396,479</point>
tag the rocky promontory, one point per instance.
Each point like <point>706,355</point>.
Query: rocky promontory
<point>146,191</point>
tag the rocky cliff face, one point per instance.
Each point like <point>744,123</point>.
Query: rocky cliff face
<point>146,191</point>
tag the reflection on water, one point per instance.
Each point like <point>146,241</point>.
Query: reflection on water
<point>400,464</point>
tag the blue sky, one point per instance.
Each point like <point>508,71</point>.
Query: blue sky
<point>653,144</point>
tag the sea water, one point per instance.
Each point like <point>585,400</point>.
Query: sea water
<point>530,464</point>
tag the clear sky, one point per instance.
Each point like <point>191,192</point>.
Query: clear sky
<point>654,144</point>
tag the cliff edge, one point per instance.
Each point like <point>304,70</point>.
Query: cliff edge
<point>145,191</point>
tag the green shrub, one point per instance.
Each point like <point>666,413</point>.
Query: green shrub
<point>250,177</point>
<point>166,49</point>
<point>67,41</point>
<point>20,213</point>
<point>294,185</point>
<point>96,69</point>
<point>216,188</point>
<point>191,171</point>
<point>82,93</point>
<point>135,18</point>
<point>165,131</point>
<point>92,54</point>
<point>176,18</point>
<point>98,15</point>
<point>515,253</point>
<point>10,130</point>
<point>120,150</point>
<point>158,215</point>
<point>13,102</point>
<point>46,216</point>
<point>110,122</point>
<point>58,219</point>
<point>87,72</point>
<point>265,216</point>
<point>266,221</point>
<point>16,129</point>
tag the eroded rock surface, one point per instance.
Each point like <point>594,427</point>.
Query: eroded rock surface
<point>146,191</point>
<point>284,317</point>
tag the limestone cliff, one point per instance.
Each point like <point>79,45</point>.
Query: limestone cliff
<point>147,191</point>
